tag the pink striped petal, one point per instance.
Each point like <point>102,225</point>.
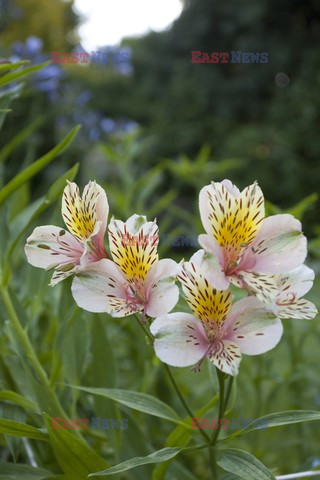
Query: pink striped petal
<point>180,339</point>
<point>279,246</point>
<point>162,293</point>
<point>251,326</point>
<point>101,287</point>
<point>227,358</point>
<point>50,246</point>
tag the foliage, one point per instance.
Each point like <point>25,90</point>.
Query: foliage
<point>65,363</point>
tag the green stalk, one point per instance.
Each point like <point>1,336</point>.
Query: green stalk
<point>223,404</point>
<point>29,351</point>
<point>173,381</point>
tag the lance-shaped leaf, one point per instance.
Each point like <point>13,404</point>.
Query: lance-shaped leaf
<point>156,457</point>
<point>18,429</point>
<point>138,401</point>
<point>74,456</point>
<point>37,166</point>
<point>277,420</point>
<point>244,465</point>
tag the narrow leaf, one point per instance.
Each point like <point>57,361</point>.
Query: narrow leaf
<point>156,457</point>
<point>244,465</point>
<point>17,399</point>
<point>13,76</point>
<point>36,167</point>
<point>18,429</point>
<point>74,456</point>
<point>277,420</point>
<point>138,401</point>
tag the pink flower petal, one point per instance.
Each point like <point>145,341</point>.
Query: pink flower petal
<point>299,309</point>
<point>279,246</point>
<point>231,187</point>
<point>101,287</point>
<point>210,264</point>
<point>180,339</point>
<point>251,326</point>
<point>298,282</point>
<point>264,287</point>
<point>227,358</point>
<point>50,246</point>
<point>161,291</point>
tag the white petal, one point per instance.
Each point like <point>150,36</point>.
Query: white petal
<point>298,282</point>
<point>279,246</point>
<point>101,288</point>
<point>180,339</point>
<point>228,358</point>
<point>232,220</point>
<point>161,292</point>
<point>300,309</point>
<point>50,246</point>
<point>210,267</point>
<point>262,286</point>
<point>82,213</point>
<point>231,187</point>
<point>135,222</point>
<point>133,253</point>
<point>254,328</point>
<point>208,304</point>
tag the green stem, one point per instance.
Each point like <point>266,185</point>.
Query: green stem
<point>229,390</point>
<point>23,338</point>
<point>221,379</point>
<point>223,403</point>
<point>30,353</point>
<point>173,381</point>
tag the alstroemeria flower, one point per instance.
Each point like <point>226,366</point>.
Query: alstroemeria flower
<point>291,287</point>
<point>52,247</point>
<point>135,281</point>
<point>241,245</point>
<point>216,329</point>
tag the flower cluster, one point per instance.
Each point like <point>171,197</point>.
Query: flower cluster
<point>261,256</point>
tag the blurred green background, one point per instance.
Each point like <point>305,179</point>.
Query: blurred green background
<point>155,129</point>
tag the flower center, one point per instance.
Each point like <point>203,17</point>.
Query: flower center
<point>136,298</point>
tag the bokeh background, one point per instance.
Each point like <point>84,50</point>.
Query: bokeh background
<point>155,129</point>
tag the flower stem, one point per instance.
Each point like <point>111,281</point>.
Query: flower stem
<point>221,378</point>
<point>173,381</point>
<point>223,403</point>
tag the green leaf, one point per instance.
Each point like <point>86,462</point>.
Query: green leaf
<point>18,139</point>
<point>37,166</point>
<point>156,457</point>
<point>74,456</point>
<point>13,66</point>
<point>56,189</point>
<point>10,471</point>
<point>303,206</point>
<point>18,429</point>
<point>277,420</point>
<point>243,464</point>
<point>102,354</point>
<point>138,401</point>
<point>18,399</point>
<point>13,76</point>
<point>5,101</point>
